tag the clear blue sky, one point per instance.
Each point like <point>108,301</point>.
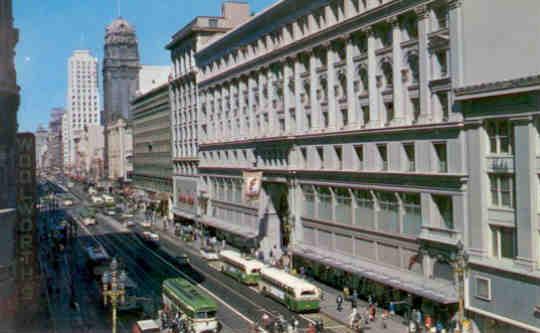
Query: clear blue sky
<point>50,30</point>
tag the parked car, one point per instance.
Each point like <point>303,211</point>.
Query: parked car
<point>111,212</point>
<point>146,224</point>
<point>182,259</point>
<point>129,224</point>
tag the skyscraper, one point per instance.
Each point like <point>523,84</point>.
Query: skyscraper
<point>120,75</point>
<point>82,97</point>
<point>55,151</point>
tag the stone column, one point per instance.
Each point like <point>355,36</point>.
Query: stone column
<point>272,94</point>
<point>374,110</point>
<point>351,74</point>
<point>525,181</point>
<point>288,102</point>
<point>315,108</point>
<point>262,104</point>
<point>456,41</point>
<point>424,65</point>
<point>300,112</point>
<point>241,106</point>
<point>251,102</point>
<point>397,83</point>
<point>331,83</point>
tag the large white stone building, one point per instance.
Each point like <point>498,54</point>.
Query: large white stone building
<point>183,100</point>
<point>82,104</point>
<point>391,137</point>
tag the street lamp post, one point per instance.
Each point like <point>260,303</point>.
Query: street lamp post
<point>114,289</point>
<point>461,261</point>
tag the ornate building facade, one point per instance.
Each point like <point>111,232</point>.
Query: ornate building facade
<point>183,95</point>
<point>121,68</point>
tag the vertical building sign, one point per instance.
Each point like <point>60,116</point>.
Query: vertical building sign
<point>26,270</point>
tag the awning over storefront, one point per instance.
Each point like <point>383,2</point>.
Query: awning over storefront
<point>183,214</point>
<point>232,228</point>
<point>437,291</point>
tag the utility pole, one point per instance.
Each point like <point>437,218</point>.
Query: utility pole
<point>114,289</point>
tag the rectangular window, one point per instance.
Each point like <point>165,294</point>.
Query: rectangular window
<point>500,133</point>
<point>388,212</point>
<point>213,23</point>
<point>440,154</point>
<point>359,153</point>
<point>339,157</point>
<point>365,114</point>
<point>344,117</point>
<point>383,156</point>
<point>444,206</point>
<point>410,157</point>
<point>483,288</point>
<point>501,190</point>
<point>303,157</point>
<point>324,197</point>
<point>320,154</point>
<point>503,242</point>
<point>343,206</point>
<point>309,201</point>
<point>412,220</point>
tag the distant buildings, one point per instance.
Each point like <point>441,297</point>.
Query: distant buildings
<point>55,153</point>
<point>184,96</point>
<point>42,137</point>
<point>89,147</point>
<point>121,68</point>
<point>82,104</point>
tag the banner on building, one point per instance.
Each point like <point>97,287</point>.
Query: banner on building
<point>252,184</point>
<point>27,272</point>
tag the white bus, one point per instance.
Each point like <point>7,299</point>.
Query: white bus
<point>296,294</point>
<point>243,269</point>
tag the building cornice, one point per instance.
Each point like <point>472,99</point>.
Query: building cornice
<point>306,44</point>
<point>487,89</point>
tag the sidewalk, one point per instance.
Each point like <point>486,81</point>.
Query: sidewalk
<point>328,304</point>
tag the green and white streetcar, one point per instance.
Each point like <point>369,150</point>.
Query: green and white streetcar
<point>179,295</point>
<point>243,269</point>
<point>296,294</point>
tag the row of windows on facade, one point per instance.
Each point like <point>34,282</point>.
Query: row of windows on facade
<point>325,17</point>
<point>241,126</point>
<point>185,168</point>
<point>273,84</point>
<point>332,157</point>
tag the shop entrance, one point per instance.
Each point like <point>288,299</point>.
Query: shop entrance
<point>279,206</point>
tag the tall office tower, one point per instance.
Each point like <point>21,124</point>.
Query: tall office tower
<point>55,152</point>
<point>9,103</point>
<point>121,68</point>
<point>82,97</point>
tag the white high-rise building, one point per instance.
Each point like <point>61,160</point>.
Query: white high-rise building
<point>82,102</point>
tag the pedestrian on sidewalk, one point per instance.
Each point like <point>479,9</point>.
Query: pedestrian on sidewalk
<point>339,303</point>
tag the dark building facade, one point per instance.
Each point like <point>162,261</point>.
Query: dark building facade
<point>9,103</point>
<point>121,68</point>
